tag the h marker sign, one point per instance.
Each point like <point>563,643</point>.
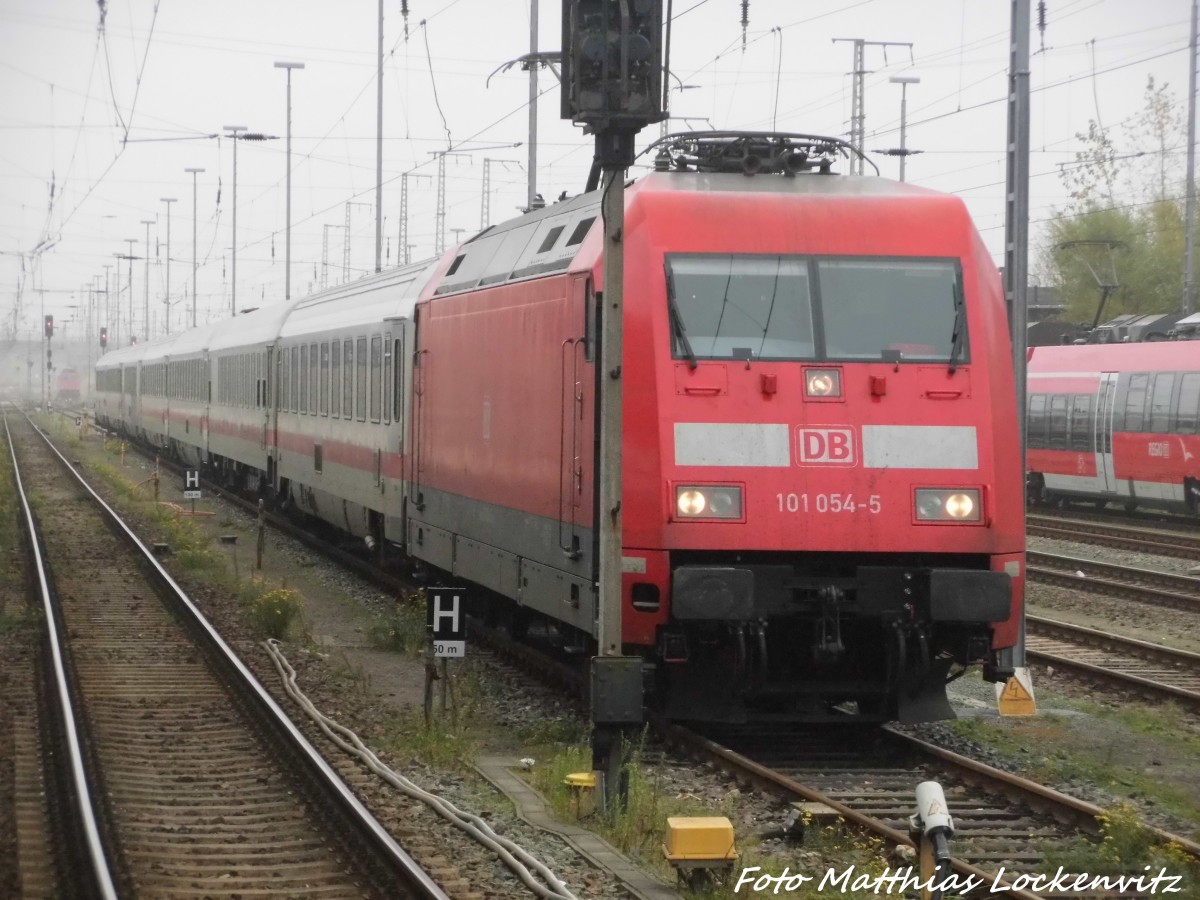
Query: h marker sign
<point>446,620</point>
<point>191,484</point>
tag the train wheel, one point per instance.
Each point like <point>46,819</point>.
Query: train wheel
<point>1130,506</point>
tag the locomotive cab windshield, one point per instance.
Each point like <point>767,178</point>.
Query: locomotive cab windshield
<point>742,307</point>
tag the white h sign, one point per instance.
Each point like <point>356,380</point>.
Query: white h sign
<point>192,481</point>
<point>444,619</point>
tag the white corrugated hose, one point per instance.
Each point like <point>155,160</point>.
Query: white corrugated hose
<point>515,857</point>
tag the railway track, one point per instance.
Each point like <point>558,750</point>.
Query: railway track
<point>190,779</point>
<point>1002,822</point>
<point>1181,541</point>
<point>1153,670</point>
<point>1144,585</point>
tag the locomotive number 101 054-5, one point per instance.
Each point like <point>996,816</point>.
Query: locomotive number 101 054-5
<point>829,503</point>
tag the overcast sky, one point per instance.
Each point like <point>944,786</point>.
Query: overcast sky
<point>104,105</point>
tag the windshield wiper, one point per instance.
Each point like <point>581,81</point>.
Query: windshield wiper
<point>960,326</point>
<point>685,346</point>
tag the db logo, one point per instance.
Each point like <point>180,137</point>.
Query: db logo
<point>827,446</point>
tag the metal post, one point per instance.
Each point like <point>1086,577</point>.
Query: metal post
<point>1190,232</point>
<point>287,240</point>
<point>379,151</point>
<point>403,236</point>
<point>485,213</point>
<point>194,172</point>
<point>167,302</point>
<point>439,219</point>
<point>1016,241</point>
<point>131,242</point>
<point>904,81</point>
<point>533,97</point>
<point>107,308</point>
<point>858,115</point>
<point>262,536</point>
<point>610,396</point>
<point>607,737</point>
<point>234,129</point>
<point>146,288</point>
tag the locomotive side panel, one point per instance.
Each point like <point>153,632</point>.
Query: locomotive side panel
<point>501,417</point>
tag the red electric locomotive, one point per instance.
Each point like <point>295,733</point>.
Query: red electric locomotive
<point>821,496</point>
<point>822,499</point>
<point>1116,423</point>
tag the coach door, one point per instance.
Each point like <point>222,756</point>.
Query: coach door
<point>1106,396</point>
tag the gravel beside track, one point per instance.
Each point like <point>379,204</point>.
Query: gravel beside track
<point>195,801</point>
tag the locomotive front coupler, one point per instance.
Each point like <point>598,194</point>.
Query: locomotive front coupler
<point>827,647</point>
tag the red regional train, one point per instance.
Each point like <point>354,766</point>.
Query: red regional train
<point>1115,423</point>
<point>822,495</point>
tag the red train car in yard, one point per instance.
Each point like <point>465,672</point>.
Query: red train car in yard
<point>68,386</point>
<point>821,496</point>
<point>1116,423</point>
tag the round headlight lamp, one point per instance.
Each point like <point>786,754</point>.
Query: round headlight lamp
<point>691,503</point>
<point>960,506</point>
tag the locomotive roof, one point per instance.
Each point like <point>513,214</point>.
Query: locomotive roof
<point>1149,356</point>
<point>552,239</point>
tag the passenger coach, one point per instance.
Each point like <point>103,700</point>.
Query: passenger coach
<point>1116,423</point>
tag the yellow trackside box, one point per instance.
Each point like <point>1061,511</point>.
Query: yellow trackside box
<point>699,838</point>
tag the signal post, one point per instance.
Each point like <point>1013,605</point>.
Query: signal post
<point>611,84</point>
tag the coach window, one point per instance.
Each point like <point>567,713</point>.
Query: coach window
<point>1081,423</point>
<point>376,377</point>
<point>1188,421</point>
<point>304,378</point>
<point>286,381</point>
<point>324,408</point>
<point>1160,402</point>
<point>335,393</point>
<point>1135,403</point>
<point>398,389</point>
<point>1037,422</point>
<point>348,380</point>
<point>387,378</point>
<point>294,400</point>
<point>314,368</point>
<point>1058,422</point>
<point>360,394</point>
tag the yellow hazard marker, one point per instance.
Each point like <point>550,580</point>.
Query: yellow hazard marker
<point>1015,696</point>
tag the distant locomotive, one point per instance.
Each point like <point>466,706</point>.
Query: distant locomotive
<point>1116,423</point>
<point>822,495</point>
<point>67,386</point>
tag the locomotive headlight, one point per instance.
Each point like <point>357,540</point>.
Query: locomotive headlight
<point>947,505</point>
<point>690,502</point>
<point>708,501</point>
<point>822,383</point>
